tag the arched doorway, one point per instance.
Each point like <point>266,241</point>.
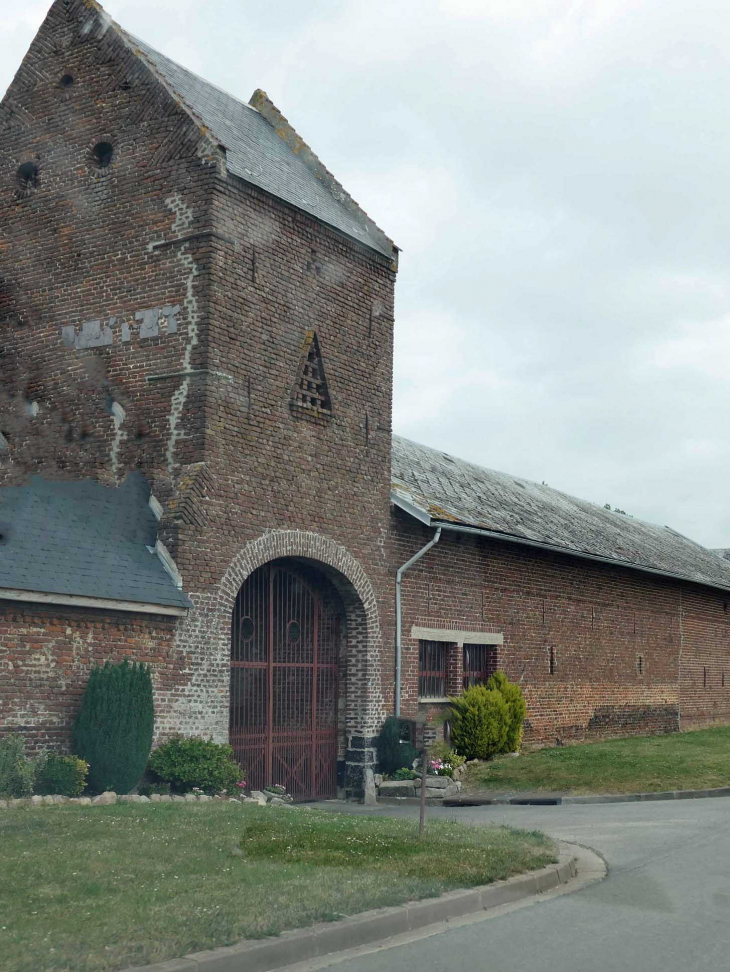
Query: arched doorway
<point>285,647</point>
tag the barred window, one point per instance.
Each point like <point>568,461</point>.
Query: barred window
<point>480,663</point>
<point>432,670</point>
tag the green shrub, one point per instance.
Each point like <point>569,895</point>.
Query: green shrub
<point>405,774</point>
<point>392,753</point>
<point>62,775</point>
<point>456,759</point>
<point>443,759</point>
<point>194,762</point>
<point>479,723</point>
<point>113,730</point>
<point>512,695</point>
<point>17,771</point>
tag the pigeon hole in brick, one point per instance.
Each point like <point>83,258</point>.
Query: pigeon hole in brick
<point>310,390</point>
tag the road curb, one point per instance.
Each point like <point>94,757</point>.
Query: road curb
<point>268,954</point>
<point>475,800</point>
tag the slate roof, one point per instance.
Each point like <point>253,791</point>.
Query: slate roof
<point>449,490</point>
<point>83,539</point>
<point>257,153</point>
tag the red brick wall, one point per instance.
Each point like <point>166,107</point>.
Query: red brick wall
<point>46,655</point>
<point>704,686</point>
<point>599,619</point>
<point>270,468</point>
<point>239,473</point>
<point>81,248</point>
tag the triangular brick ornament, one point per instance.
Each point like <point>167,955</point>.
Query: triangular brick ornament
<point>310,393</point>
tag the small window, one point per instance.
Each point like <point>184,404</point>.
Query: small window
<point>27,177</point>
<point>66,81</point>
<point>552,660</point>
<point>480,663</point>
<point>704,676</point>
<point>102,154</point>
<point>640,664</point>
<point>432,670</point>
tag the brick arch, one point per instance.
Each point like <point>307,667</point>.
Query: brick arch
<point>299,543</point>
<point>201,703</point>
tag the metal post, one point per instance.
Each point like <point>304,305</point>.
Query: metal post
<point>424,775</point>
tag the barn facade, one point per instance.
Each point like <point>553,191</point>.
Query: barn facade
<point>197,466</point>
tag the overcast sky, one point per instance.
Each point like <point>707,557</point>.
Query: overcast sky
<point>557,174</point>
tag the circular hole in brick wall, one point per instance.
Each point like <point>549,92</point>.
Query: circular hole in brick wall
<point>102,154</point>
<point>27,176</point>
<point>66,81</point>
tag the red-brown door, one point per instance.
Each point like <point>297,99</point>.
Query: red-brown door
<point>285,642</point>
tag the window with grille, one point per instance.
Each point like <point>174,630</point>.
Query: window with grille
<point>480,663</point>
<point>432,670</point>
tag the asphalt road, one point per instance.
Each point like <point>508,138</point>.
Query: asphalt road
<point>665,904</point>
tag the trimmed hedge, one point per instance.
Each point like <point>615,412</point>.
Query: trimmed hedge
<point>190,762</point>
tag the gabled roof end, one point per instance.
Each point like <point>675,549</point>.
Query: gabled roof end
<point>266,107</point>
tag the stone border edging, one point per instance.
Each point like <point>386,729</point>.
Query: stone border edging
<point>369,927</point>
<point>474,800</point>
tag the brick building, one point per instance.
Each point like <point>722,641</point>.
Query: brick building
<point>197,468</point>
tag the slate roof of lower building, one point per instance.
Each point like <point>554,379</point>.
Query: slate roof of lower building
<point>449,490</point>
<point>257,153</point>
<point>83,539</point>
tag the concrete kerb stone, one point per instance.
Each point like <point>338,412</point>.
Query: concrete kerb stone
<point>289,948</point>
<point>477,800</point>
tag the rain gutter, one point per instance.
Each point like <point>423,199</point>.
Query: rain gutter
<point>398,615</point>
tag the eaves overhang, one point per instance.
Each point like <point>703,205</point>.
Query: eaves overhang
<point>424,517</point>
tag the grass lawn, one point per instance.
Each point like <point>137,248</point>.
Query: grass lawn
<point>680,761</point>
<point>89,889</point>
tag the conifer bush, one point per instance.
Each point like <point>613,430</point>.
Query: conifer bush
<point>479,723</point>
<point>392,753</point>
<point>512,695</point>
<point>113,730</point>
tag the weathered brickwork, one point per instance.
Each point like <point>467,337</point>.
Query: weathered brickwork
<point>158,314</point>
<point>704,685</point>
<point>98,303</point>
<point>630,650</point>
<point>155,313</point>
<point>46,657</point>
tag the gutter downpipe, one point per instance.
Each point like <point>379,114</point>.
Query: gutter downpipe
<point>398,616</point>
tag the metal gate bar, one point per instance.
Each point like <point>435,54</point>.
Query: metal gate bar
<point>284,646</point>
